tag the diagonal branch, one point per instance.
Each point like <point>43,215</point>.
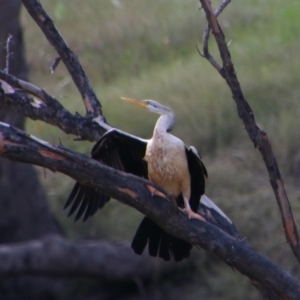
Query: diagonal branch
<point>133,191</point>
<point>49,110</point>
<point>259,138</point>
<point>30,88</point>
<point>92,104</point>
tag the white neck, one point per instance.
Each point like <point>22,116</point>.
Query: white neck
<point>165,123</point>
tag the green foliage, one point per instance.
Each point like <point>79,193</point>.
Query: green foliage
<point>146,49</point>
<point>59,10</point>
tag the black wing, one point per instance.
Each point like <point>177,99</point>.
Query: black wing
<point>198,173</point>
<point>126,152</point>
<point>118,150</point>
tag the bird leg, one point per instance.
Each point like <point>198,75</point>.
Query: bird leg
<point>191,215</point>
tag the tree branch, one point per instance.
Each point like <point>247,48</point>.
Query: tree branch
<point>133,191</point>
<point>92,104</point>
<point>8,53</point>
<point>50,110</point>
<point>55,256</point>
<point>206,36</point>
<point>259,138</point>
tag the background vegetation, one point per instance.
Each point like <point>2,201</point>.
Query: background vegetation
<point>146,49</point>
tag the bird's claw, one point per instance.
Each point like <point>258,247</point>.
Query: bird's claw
<point>154,191</point>
<point>193,215</point>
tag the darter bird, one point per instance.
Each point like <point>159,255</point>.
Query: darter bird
<point>163,159</point>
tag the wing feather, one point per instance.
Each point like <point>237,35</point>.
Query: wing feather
<point>118,150</point>
<point>125,152</point>
<point>198,173</point>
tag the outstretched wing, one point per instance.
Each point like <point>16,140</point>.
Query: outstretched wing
<point>198,173</point>
<point>122,151</point>
<point>116,149</point>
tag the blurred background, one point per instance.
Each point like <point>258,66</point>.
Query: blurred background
<point>147,50</point>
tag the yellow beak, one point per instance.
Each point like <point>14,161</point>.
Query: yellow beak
<point>135,102</point>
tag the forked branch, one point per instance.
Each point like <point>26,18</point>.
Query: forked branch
<point>259,138</point>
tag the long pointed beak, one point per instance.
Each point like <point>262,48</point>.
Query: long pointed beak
<point>135,102</point>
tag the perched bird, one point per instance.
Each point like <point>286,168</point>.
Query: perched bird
<point>163,159</point>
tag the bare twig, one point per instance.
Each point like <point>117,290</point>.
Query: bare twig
<point>55,64</point>
<point>206,36</point>
<point>133,191</point>
<point>8,53</point>
<point>206,52</point>
<point>222,7</point>
<point>92,104</point>
<point>259,138</point>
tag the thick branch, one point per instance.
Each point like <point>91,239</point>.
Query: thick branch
<point>133,191</point>
<point>56,256</point>
<point>92,104</point>
<point>259,138</point>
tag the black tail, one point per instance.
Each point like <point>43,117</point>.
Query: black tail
<point>160,242</point>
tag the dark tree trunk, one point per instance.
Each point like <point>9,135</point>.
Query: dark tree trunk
<point>24,212</point>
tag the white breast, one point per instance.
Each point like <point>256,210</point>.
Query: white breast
<point>167,162</point>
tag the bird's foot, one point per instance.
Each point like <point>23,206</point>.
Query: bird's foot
<point>154,191</point>
<point>193,215</point>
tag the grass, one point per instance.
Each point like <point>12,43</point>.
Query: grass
<point>145,49</point>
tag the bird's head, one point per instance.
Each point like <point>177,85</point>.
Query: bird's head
<point>150,105</point>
